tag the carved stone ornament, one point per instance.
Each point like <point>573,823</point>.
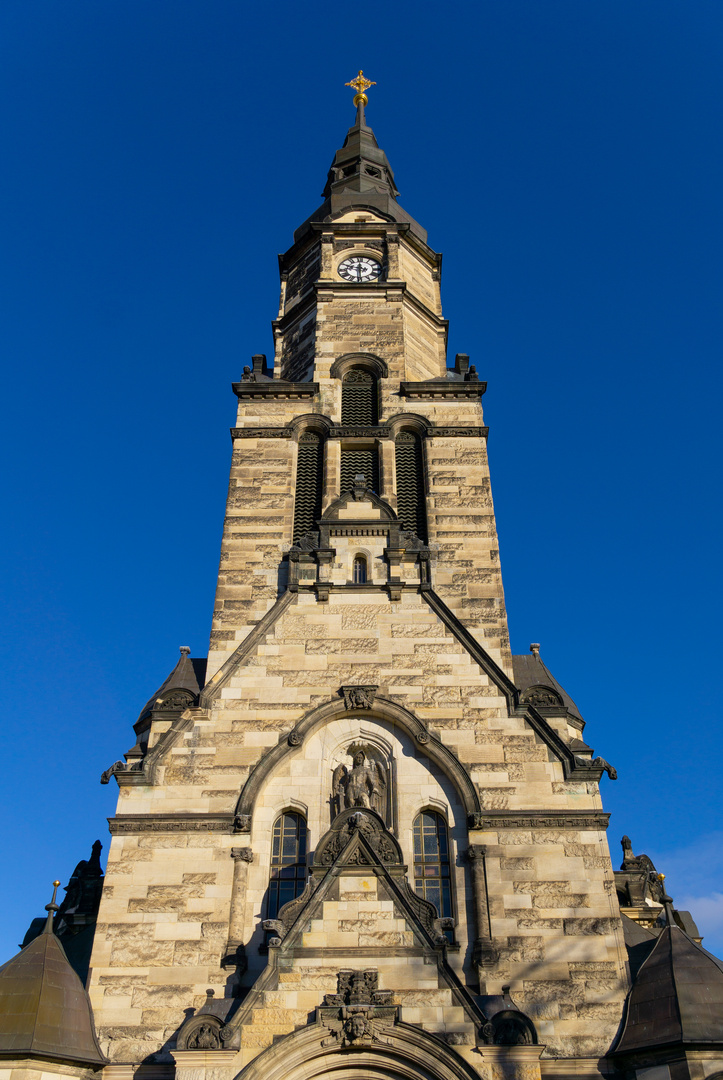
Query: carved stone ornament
<point>601,763</point>
<point>206,1037</point>
<point>369,825</point>
<point>308,542</point>
<point>350,1029</point>
<point>422,737</point>
<point>201,1032</point>
<point>543,696</point>
<point>176,699</point>
<point>411,541</point>
<point>118,768</point>
<point>295,738</point>
<point>357,988</point>
<point>358,697</point>
<point>242,823</point>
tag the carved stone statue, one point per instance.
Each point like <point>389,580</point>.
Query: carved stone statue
<point>365,784</point>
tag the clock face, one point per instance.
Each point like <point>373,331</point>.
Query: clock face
<point>360,268</point>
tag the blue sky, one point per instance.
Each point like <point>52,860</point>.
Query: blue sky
<point>564,156</point>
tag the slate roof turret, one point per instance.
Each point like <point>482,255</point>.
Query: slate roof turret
<point>677,997</point>
<point>45,1011</point>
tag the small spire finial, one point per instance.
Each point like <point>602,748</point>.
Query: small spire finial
<point>667,901</point>
<point>185,650</point>
<point>535,648</point>
<point>51,908</point>
<point>360,84</point>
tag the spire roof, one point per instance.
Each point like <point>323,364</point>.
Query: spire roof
<point>360,165</point>
<point>676,998</point>
<point>45,1011</point>
<point>188,674</point>
<point>361,178</point>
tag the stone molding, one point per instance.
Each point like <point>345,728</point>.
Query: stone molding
<point>261,432</point>
<point>384,709</point>
<point>139,823</point>
<point>536,819</point>
<point>372,431</point>
<point>432,388</point>
<point>276,388</point>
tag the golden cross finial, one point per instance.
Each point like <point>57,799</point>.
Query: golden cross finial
<point>360,84</point>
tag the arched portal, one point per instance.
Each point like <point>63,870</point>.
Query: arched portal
<point>395,1052</point>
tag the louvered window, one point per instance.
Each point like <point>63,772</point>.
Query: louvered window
<point>432,877</point>
<point>359,398</point>
<point>360,462</point>
<point>309,471</point>
<point>288,862</point>
<point>410,483</point>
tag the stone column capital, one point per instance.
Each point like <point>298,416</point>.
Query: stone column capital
<point>242,854</point>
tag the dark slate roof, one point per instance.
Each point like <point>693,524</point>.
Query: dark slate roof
<point>677,997</point>
<point>529,670</point>
<point>361,176</point>
<point>639,941</point>
<point>45,1011</point>
<point>188,674</point>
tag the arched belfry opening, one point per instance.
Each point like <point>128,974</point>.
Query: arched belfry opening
<point>359,397</point>
<point>409,464</point>
<point>309,482</point>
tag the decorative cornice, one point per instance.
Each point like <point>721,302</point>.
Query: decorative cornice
<point>261,433</point>
<point>139,823</point>
<point>470,432</point>
<point>275,388</point>
<point>355,431</point>
<point>443,389</point>
<point>538,819</point>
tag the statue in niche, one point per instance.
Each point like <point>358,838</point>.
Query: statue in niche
<point>365,784</point>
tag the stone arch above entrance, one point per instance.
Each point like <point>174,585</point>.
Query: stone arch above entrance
<point>379,708</point>
<point>395,1052</point>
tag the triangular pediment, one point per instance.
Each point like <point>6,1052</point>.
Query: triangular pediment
<point>359,504</point>
<point>358,895</point>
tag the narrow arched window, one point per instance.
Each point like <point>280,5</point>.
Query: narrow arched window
<point>288,861</point>
<point>359,399</point>
<point>359,575</point>
<point>432,876</point>
<point>410,483</point>
<point>309,473</point>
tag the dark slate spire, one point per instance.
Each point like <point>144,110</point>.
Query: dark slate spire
<point>182,686</point>
<point>45,1011</point>
<point>360,177</point>
<point>360,166</point>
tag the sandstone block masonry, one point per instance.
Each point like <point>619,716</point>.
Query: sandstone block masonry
<point>359,686</point>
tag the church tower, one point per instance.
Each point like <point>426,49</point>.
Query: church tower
<point>360,836</point>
